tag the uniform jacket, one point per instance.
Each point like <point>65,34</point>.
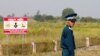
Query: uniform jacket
<point>67,39</point>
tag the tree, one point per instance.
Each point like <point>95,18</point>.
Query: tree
<point>44,17</point>
<point>1,18</point>
<point>49,17</point>
<point>67,11</point>
<point>38,16</point>
<point>87,19</point>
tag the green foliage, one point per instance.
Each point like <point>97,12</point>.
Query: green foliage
<point>1,18</point>
<point>87,19</point>
<point>39,17</point>
<point>49,17</point>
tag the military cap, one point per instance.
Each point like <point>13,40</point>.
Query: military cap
<point>71,17</point>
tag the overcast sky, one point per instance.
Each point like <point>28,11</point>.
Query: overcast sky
<point>50,7</point>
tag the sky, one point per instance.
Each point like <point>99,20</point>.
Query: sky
<point>50,7</point>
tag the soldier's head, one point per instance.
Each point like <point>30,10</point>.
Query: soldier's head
<point>71,19</point>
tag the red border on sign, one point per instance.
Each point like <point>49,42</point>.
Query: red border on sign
<point>15,31</point>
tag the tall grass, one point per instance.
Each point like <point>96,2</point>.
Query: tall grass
<point>48,31</point>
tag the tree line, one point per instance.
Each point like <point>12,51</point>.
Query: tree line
<point>44,17</point>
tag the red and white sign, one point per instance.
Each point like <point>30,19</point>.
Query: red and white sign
<point>15,25</point>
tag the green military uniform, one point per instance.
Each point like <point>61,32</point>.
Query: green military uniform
<point>67,38</point>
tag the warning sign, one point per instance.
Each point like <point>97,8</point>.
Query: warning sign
<point>15,25</point>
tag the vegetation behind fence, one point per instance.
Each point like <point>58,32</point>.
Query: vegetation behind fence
<point>43,34</point>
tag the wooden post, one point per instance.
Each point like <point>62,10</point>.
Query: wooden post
<point>34,47</point>
<point>7,36</point>
<point>55,45</point>
<point>23,42</point>
<point>1,51</point>
<point>87,42</point>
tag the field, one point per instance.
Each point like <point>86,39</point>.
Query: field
<point>49,31</point>
<point>79,52</point>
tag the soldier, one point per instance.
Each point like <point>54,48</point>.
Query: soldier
<point>67,38</point>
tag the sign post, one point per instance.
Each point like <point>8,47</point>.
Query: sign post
<point>15,26</point>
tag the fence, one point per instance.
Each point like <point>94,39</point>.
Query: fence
<point>54,46</point>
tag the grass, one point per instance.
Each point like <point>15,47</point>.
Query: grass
<point>84,52</point>
<point>49,31</point>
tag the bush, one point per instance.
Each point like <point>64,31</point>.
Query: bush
<point>17,49</point>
